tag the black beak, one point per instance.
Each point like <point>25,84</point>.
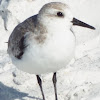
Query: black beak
<point>80,23</point>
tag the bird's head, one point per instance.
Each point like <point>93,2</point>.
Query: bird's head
<point>57,14</point>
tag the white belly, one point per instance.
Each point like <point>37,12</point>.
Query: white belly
<point>53,55</point>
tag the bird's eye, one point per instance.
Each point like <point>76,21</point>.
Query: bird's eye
<point>60,14</point>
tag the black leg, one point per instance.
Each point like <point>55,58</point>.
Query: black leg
<point>54,79</point>
<point>40,84</point>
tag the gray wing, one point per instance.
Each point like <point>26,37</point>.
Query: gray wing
<point>16,43</point>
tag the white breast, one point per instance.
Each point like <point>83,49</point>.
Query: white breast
<point>53,55</point>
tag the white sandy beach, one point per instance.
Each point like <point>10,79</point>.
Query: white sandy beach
<point>81,78</point>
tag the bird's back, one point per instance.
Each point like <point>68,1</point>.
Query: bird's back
<point>16,44</point>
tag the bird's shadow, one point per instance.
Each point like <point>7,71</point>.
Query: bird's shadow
<point>9,93</point>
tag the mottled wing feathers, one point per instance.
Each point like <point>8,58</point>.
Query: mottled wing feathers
<point>21,47</point>
<point>16,43</point>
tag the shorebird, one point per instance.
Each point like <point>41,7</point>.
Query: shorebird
<point>45,43</point>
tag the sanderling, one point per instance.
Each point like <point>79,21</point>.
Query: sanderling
<point>44,42</point>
